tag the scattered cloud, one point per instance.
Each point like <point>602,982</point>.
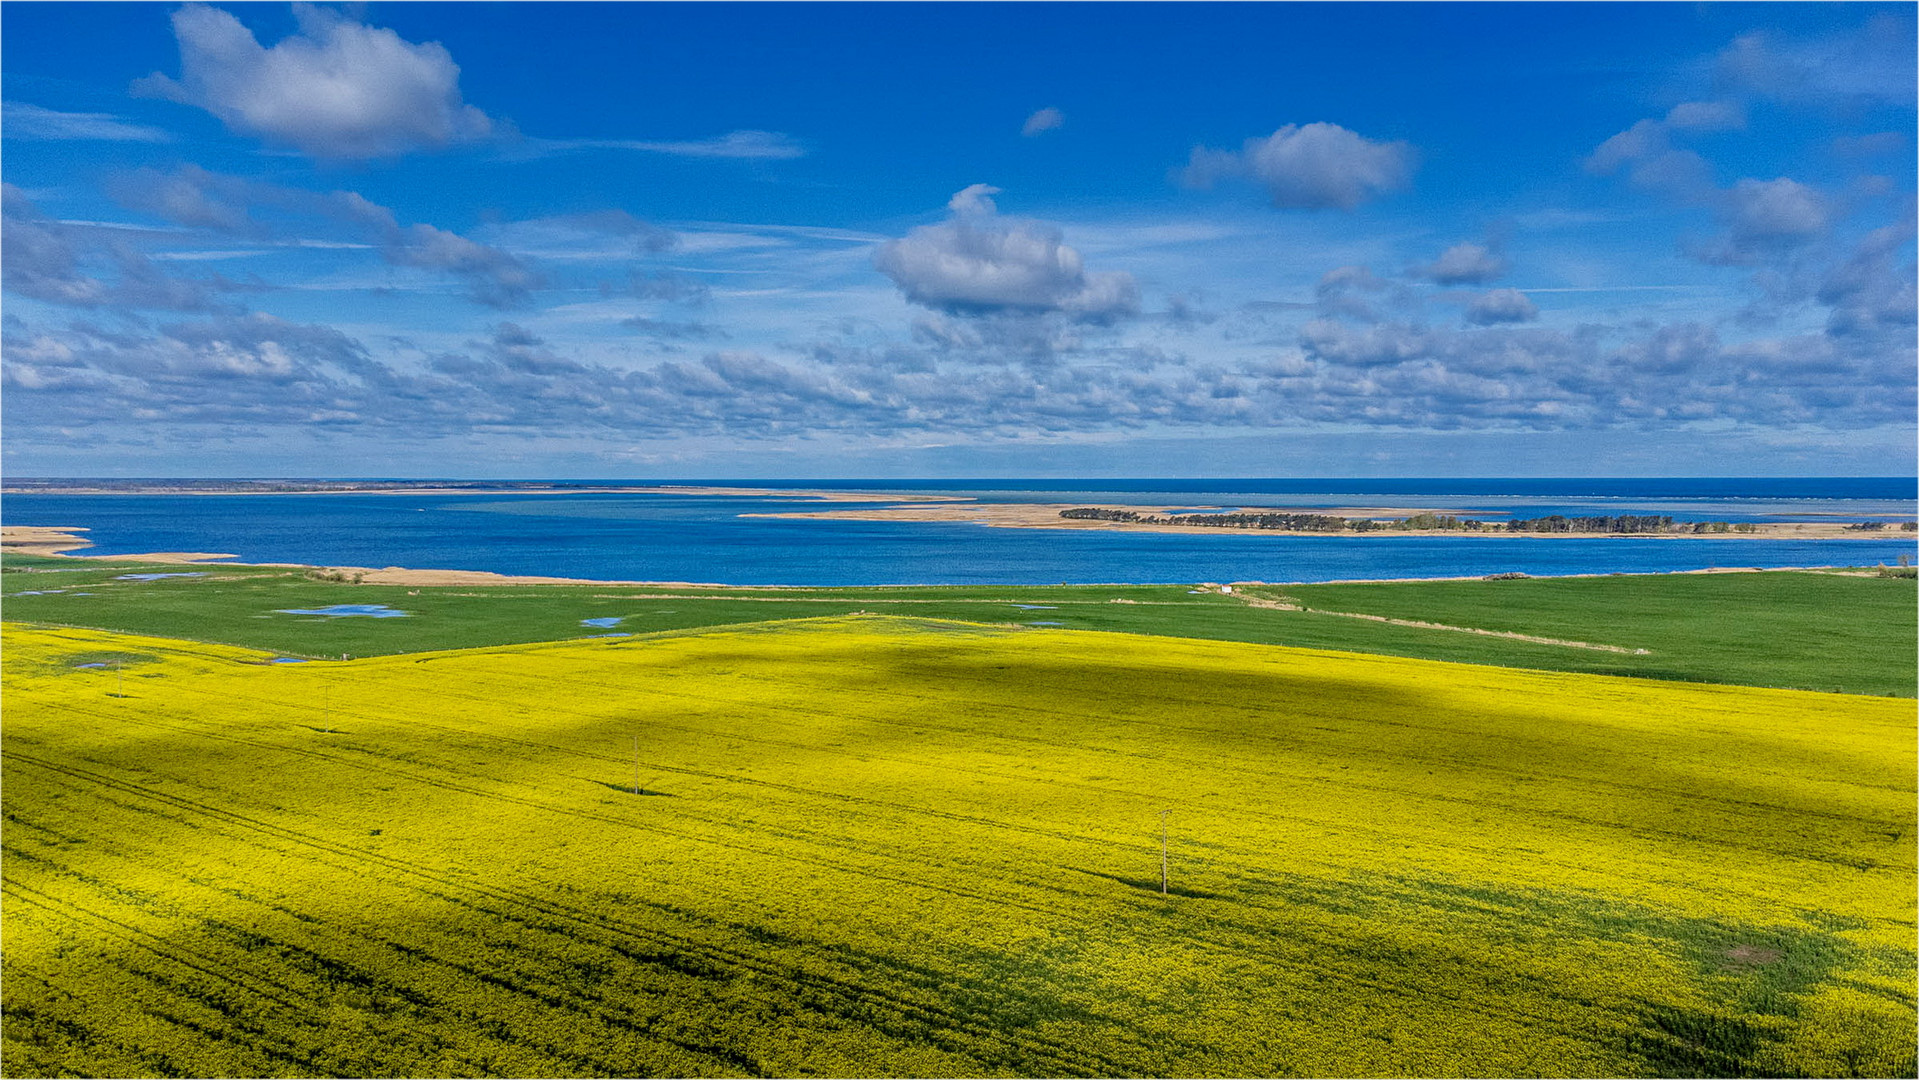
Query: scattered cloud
<point>337,90</point>
<point>1868,65</point>
<point>1315,166</point>
<point>1872,295</point>
<point>196,198</point>
<point>1350,292</point>
<point>668,330</point>
<point>1646,154</point>
<point>1501,306</point>
<point>739,145</point>
<point>979,263</point>
<point>23,121</point>
<point>1042,121</point>
<point>646,237</point>
<point>1764,222</point>
<point>42,259</point>
<point>1874,144</point>
<point>190,196</point>
<point>1706,116</point>
<point>1774,212</point>
<point>666,285</point>
<point>1465,264</point>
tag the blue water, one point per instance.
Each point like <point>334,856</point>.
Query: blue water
<point>157,577</point>
<point>703,538</point>
<point>605,623</point>
<point>372,611</point>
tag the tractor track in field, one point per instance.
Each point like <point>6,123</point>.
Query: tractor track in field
<point>555,909</point>
<point>345,858</point>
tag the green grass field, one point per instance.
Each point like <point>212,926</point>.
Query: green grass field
<point>1785,629</point>
<point>883,846</point>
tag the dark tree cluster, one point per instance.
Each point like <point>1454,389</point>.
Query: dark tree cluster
<point>1610,523</point>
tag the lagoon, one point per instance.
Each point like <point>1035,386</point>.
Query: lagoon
<point>703,538</point>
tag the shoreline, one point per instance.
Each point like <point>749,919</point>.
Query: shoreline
<point>60,542</point>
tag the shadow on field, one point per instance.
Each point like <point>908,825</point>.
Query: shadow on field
<point>626,788</point>
<point>1147,884</point>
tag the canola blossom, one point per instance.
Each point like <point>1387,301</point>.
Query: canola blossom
<point>866,846</point>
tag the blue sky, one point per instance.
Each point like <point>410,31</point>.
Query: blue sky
<point>706,240</point>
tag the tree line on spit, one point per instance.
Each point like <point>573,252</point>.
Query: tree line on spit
<point>1623,524</point>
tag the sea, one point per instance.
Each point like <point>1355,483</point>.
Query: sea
<point>705,538</point>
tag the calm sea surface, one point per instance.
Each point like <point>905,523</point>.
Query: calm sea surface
<point>703,538</point>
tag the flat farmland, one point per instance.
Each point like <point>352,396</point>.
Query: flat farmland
<point>878,845</point>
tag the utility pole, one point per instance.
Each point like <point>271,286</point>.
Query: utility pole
<point>636,764</point>
<point>326,705</point>
<point>1162,851</point>
<point>119,678</point>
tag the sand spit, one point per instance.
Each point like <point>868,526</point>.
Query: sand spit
<point>61,540</point>
<point>1046,516</point>
<point>42,539</point>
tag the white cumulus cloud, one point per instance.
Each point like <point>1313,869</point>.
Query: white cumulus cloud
<point>338,89</point>
<point>980,263</point>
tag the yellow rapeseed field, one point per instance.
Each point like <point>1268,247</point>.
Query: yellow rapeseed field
<point>876,846</point>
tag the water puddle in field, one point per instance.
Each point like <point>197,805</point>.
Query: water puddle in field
<point>156,577</point>
<point>371,611</point>
<point>1036,607</point>
<point>1046,624</point>
<point>286,660</point>
<point>93,665</point>
<point>39,592</point>
<point>603,623</point>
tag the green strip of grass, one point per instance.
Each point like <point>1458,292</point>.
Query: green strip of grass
<point>1789,629</point>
